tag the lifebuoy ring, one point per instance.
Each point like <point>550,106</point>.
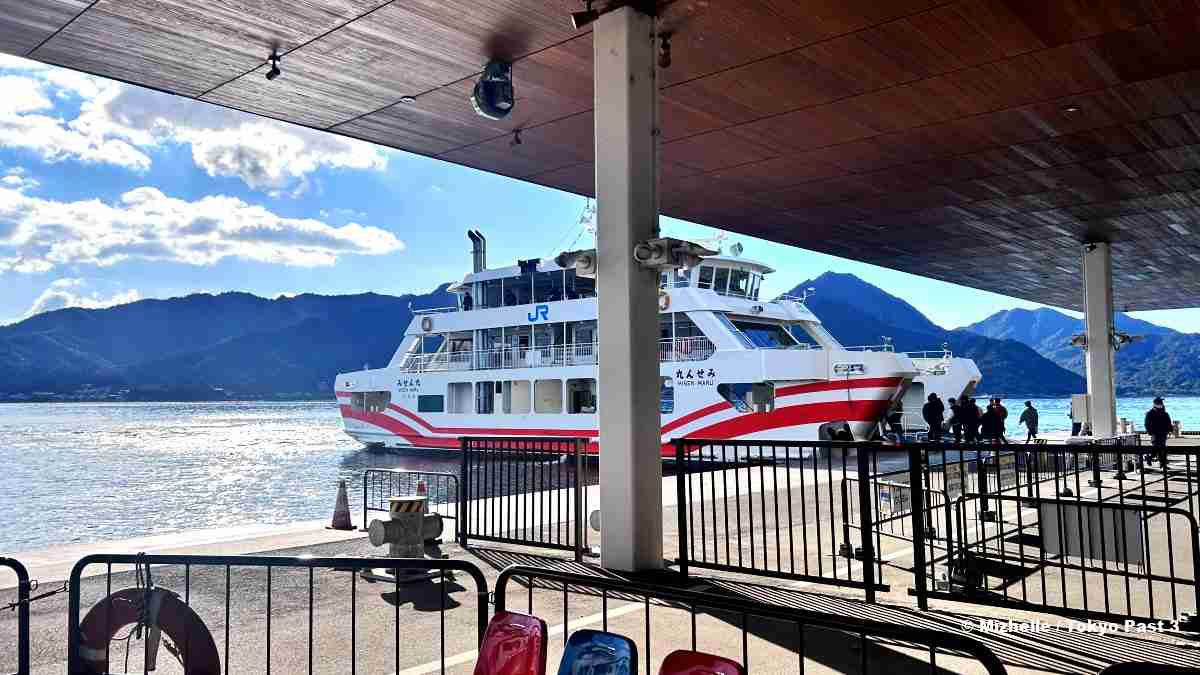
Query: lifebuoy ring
<point>664,301</point>
<point>427,324</point>
<point>123,608</point>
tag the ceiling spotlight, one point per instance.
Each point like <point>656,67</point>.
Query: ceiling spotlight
<point>581,19</point>
<point>664,50</point>
<point>493,93</point>
<point>274,72</point>
<point>1070,109</point>
<point>516,139</point>
<point>408,99</point>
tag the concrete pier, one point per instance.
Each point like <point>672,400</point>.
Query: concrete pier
<point>770,647</point>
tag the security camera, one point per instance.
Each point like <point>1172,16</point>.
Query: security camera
<point>274,72</point>
<point>493,96</point>
<point>584,261</point>
<point>668,253</point>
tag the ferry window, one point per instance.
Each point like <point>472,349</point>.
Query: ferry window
<point>579,287</point>
<point>739,283</point>
<point>734,329</point>
<point>667,406</point>
<point>766,335</point>
<point>685,328</point>
<point>493,294</point>
<point>462,399</point>
<point>581,393</point>
<point>738,394</point>
<point>431,403</point>
<point>706,277</point>
<point>663,279</point>
<point>583,332</point>
<point>548,286</point>
<point>722,280</point>
<point>664,326</point>
<point>516,397</point>
<point>682,278</point>
<point>371,401</point>
<point>547,396</point>
<point>755,280</point>
<point>485,397</point>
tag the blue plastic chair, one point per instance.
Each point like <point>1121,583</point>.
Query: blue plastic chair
<point>594,652</point>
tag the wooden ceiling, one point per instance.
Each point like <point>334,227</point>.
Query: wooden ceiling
<point>975,141</point>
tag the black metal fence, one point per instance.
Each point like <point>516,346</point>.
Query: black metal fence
<point>1072,530</point>
<point>21,605</point>
<point>773,637</point>
<point>778,509</point>
<point>228,591</point>
<point>527,491</point>
<point>379,485</point>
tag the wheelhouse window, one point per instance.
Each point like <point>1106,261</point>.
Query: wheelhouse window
<point>766,335</point>
<point>579,287</point>
<point>739,283</point>
<point>721,282</point>
<point>492,295</point>
<point>548,286</point>
<point>706,277</point>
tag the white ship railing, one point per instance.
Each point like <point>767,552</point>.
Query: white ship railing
<point>870,348</point>
<point>583,354</point>
<point>939,354</point>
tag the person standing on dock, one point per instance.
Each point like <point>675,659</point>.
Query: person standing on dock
<point>934,412</point>
<point>1002,414</point>
<point>969,414</point>
<point>1029,417</point>
<point>1158,425</point>
<point>956,421</point>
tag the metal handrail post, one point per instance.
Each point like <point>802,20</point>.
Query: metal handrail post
<point>864,521</point>
<point>682,507</point>
<point>23,591</point>
<point>578,492</point>
<point>917,509</point>
<point>464,496</point>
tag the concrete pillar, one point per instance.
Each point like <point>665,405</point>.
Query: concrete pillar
<point>626,110</point>
<point>1098,315</point>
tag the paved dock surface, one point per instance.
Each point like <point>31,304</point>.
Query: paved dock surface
<point>343,606</point>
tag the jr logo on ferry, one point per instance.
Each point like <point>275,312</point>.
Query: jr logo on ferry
<point>540,312</point>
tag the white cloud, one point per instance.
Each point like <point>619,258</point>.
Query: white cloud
<point>18,179</point>
<point>38,235</point>
<point>57,296</point>
<point>120,124</point>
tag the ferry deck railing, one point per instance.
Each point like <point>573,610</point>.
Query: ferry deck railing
<point>21,605</point>
<point>579,354</point>
<point>440,488</point>
<point>207,583</point>
<point>700,620</point>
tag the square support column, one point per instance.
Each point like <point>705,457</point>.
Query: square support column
<point>626,111</point>
<point>1098,315</point>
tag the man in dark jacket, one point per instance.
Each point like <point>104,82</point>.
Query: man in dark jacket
<point>933,412</point>
<point>991,426</point>
<point>1158,425</point>
<point>968,412</point>
<point>1029,417</point>
<point>956,421</point>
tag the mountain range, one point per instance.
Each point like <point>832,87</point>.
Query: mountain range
<point>1160,361</point>
<point>239,345</point>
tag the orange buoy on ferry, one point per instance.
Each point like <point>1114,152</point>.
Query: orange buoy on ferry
<point>158,611</point>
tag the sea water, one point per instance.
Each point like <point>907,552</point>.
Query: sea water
<point>73,473</point>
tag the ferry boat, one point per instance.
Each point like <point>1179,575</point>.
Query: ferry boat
<point>518,354</point>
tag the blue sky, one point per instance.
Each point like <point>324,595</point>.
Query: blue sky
<point>110,193</point>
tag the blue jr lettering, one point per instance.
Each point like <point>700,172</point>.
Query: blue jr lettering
<point>540,312</point>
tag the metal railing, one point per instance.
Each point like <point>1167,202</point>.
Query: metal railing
<point>21,605</point>
<point>773,509</point>
<point>728,606</point>
<point>581,354</point>
<point>381,484</point>
<point>1071,530</point>
<point>205,585</point>
<point>526,491</point>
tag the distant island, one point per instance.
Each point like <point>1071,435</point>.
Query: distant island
<point>238,346</point>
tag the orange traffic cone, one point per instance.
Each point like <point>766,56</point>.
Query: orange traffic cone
<point>341,511</point>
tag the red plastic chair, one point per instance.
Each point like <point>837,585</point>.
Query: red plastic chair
<point>684,662</point>
<point>513,644</point>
